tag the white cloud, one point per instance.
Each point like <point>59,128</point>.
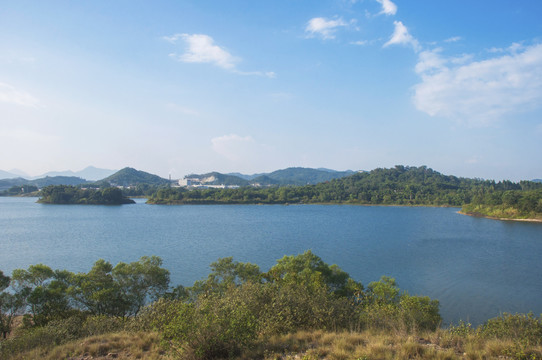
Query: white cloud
<point>473,160</point>
<point>388,7</point>
<point>269,74</point>
<point>323,27</point>
<point>359,42</point>
<point>11,95</point>
<point>401,36</point>
<point>479,92</point>
<point>453,39</point>
<point>430,61</point>
<point>202,49</point>
<point>233,147</point>
<point>183,109</point>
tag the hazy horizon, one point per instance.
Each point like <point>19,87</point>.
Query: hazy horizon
<point>172,87</point>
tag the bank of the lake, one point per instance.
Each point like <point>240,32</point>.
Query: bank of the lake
<point>481,215</point>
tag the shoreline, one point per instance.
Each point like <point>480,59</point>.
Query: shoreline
<point>297,203</point>
<point>498,218</point>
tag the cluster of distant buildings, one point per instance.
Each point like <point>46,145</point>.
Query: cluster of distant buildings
<point>203,183</point>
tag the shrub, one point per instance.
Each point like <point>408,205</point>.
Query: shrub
<point>520,327</point>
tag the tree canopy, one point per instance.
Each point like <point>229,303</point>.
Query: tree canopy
<point>66,194</point>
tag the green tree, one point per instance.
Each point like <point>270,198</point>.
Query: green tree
<point>97,291</point>
<point>310,270</point>
<point>141,281</point>
<point>43,291</point>
<point>10,304</point>
<point>121,290</point>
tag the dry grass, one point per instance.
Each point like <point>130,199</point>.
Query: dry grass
<point>306,345</point>
<point>376,345</point>
<point>121,345</point>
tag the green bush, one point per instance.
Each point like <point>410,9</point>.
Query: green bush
<point>520,327</point>
<point>215,326</point>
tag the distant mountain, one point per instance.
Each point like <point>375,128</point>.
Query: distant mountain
<point>244,176</point>
<point>537,180</point>
<point>130,177</point>
<point>7,183</point>
<point>8,175</point>
<point>19,173</point>
<point>216,178</point>
<point>57,180</point>
<point>40,183</point>
<point>334,171</point>
<point>289,176</point>
<point>300,176</point>
<point>89,173</point>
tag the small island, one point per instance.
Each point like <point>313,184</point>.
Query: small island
<point>68,195</point>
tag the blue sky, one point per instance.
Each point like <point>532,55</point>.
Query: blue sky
<point>179,87</point>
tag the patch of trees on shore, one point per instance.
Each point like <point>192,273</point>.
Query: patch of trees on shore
<point>509,204</point>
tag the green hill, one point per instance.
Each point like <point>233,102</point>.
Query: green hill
<point>216,178</point>
<point>131,177</point>
<point>299,176</point>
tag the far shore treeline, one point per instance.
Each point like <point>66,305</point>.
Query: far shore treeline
<point>401,185</point>
<point>411,186</point>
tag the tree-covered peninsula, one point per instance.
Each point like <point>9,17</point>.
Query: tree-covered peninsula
<point>66,194</point>
<point>509,204</point>
<point>401,185</point>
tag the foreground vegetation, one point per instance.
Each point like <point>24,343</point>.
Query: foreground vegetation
<point>300,308</point>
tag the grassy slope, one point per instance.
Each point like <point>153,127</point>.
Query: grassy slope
<point>308,345</point>
<point>499,212</point>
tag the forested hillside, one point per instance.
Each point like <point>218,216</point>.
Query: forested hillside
<point>131,177</point>
<point>401,185</point>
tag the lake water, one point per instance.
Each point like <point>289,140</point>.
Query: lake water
<point>477,268</point>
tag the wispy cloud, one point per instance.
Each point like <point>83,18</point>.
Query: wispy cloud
<point>453,39</point>
<point>323,27</point>
<point>233,147</point>
<point>359,42</point>
<point>201,48</point>
<point>479,92</point>
<point>9,94</point>
<point>269,74</point>
<point>388,7</point>
<point>473,160</point>
<point>401,36</point>
<point>183,109</point>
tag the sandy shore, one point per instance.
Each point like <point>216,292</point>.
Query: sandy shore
<point>498,218</point>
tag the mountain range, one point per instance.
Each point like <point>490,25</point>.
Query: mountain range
<point>289,176</point>
<point>131,177</point>
<point>89,173</point>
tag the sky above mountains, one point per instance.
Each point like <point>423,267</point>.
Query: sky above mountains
<point>179,87</point>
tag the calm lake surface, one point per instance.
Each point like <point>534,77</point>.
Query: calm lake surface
<point>477,268</point>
